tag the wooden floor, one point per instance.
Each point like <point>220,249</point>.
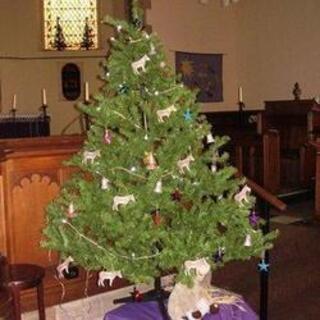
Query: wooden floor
<point>295,263</point>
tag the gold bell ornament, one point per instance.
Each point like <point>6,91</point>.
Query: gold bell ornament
<point>150,161</point>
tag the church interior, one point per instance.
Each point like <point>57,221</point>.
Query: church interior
<point>255,66</point>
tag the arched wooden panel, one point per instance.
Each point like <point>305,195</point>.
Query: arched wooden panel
<point>30,199</point>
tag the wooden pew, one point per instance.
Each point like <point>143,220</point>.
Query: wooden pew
<point>298,122</point>
<point>258,158</point>
<point>254,151</point>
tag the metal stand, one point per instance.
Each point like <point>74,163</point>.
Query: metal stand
<point>264,275</point>
<point>157,294</point>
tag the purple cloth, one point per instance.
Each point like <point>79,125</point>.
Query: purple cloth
<point>150,311</point>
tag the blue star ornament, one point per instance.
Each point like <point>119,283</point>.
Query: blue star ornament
<point>263,266</point>
<point>187,115</point>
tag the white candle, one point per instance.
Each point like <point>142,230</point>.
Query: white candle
<point>14,102</point>
<point>44,97</point>
<point>86,91</point>
<point>240,94</point>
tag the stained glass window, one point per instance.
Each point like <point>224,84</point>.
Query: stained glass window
<point>70,24</point>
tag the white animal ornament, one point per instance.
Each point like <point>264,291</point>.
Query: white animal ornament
<point>140,65</point>
<point>123,200</point>
<point>105,183</point>
<point>165,113</point>
<point>185,163</point>
<point>109,276</point>
<point>64,267</point>
<point>90,156</point>
<point>242,196</point>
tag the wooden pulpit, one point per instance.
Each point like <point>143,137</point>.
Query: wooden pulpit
<point>31,174</point>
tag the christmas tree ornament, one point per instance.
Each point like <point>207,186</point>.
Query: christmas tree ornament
<point>210,138</point>
<point>140,65</point>
<point>158,188</point>
<point>71,211</point>
<point>254,218</point>
<point>184,164</point>
<point>138,23</point>
<point>162,64</point>
<point>119,28</point>
<point>150,161</point>
<point>90,156</point>
<point>213,168</point>
<point>156,217</point>
<point>242,196</point>
<point>137,296</point>
<point>105,183</point>
<point>133,169</point>
<point>108,276</point>
<point>107,136</point>
<point>176,195</point>
<point>248,241</point>
<point>63,267</point>
<point>218,255</point>
<point>156,93</point>
<point>123,88</point>
<point>187,115</point>
<point>152,51</point>
<point>263,266</point>
<point>112,39</point>
<point>165,113</point>
<point>146,35</point>
<point>122,200</point>
<point>108,74</point>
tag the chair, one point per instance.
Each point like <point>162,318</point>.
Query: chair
<point>19,277</point>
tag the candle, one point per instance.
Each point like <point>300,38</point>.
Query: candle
<point>14,102</point>
<point>44,97</point>
<point>86,91</point>
<point>240,94</point>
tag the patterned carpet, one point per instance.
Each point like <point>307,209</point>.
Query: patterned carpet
<point>294,291</point>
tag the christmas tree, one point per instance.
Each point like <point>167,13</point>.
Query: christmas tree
<point>59,39</point>
<point>154,189</point>
<point>87,39</point>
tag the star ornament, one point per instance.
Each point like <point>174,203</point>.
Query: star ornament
<point>253,218</point>
<point>263,266</point>
<point>187,115</point>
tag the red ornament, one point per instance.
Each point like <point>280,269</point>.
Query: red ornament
<point>137,295</point>
<point>156,217</point>
<point>176,195</point>
<point>107,137</point>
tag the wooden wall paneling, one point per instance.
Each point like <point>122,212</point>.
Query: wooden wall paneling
<point>271,161</point>
<point>3,235</point>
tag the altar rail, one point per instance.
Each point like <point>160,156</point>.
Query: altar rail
<point>24,125</point>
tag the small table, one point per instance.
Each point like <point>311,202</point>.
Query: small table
<point>150,311</point>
